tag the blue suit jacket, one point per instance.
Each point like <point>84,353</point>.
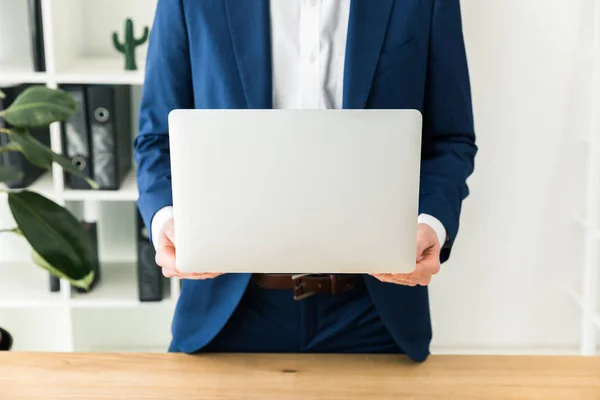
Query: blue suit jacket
<point>401,54</point>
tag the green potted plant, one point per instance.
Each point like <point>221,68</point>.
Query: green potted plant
<point>58,241</point>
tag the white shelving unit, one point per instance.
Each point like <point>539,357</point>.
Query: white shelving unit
<point>78,47</point>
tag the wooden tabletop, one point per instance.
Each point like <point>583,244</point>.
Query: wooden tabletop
<point>262,377</point>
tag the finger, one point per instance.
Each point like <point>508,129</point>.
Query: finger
<point>423,280</point>
<point>428,267</point>
<point>169,273</point>
<point>170,233</point>
<point>405,282</point>
<point>198,277</point>
<point>173,273</point>
<point>165,258</point>
<point>208,276</point>
<point>391,276</point>
<point>383,277</point>
<point>397,279</point>
<point>425,244</point>
<point>424,247</point>
<point>424,251</point>
<point>380,277</point>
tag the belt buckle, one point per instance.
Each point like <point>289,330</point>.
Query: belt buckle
<point>299,293</point>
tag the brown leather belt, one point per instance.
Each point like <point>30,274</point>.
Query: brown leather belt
<point>304,286</point>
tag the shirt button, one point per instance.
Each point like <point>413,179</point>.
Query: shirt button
<point>312,58</point>
<point>312,3</point>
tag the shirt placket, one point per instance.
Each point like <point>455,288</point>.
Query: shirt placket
<point>310,33</point>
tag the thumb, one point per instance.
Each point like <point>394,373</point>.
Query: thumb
<point>423,244</point>
<point>170,232</point>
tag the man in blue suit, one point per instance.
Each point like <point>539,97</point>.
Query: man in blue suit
<point>319,54</point>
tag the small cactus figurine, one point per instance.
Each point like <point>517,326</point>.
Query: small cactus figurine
<point>129,44</point>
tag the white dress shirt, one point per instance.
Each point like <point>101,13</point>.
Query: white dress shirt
<point>308,54</point>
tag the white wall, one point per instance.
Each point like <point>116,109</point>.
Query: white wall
<point>102,18</point>
<point>518,245</point>
<point>18,50</point>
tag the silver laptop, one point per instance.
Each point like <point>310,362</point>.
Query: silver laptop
<point>295,191</point>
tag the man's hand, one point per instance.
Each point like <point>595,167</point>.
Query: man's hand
<point>165,255</point>
<point>428,261</point>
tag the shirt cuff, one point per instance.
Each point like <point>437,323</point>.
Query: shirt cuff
<point>437,226</point>
<point>159,220</point>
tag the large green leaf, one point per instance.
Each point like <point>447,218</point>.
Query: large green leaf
<point>39,106</point>
<point>10,174</point>
<point>84,283</point>
<point>33,150</point>
<point>54,234</point>
<point>42,156</point>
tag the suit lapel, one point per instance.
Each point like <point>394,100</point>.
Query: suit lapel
<point>366,32</point>
<point>250,27</point>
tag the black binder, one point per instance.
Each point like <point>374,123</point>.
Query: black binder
<point>36,33</point>
<point>76,138</point>
<point>151,281</point>
<point>98,139</point>
<point>109,111</point>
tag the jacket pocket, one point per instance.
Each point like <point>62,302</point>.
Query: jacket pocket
<point>392,58</point>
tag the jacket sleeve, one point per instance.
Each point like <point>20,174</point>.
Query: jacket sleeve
<point>449,149</point>
<point>167,86</point>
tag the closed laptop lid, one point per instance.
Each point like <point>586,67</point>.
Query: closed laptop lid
<point>295,191</point>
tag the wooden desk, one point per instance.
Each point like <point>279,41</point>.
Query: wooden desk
<point>262,377</point>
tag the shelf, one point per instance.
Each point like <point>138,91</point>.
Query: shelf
<point>44,186</point>
<point>117,289</point>
<point>100,70</point>
<point>127,192</point>
<point>25,285</point>
<point>16,74</point>
<point>122,330</point>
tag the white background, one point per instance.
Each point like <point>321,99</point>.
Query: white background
<point>519,245</point>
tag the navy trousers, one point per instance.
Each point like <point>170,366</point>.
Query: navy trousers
<point>271,321</point>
